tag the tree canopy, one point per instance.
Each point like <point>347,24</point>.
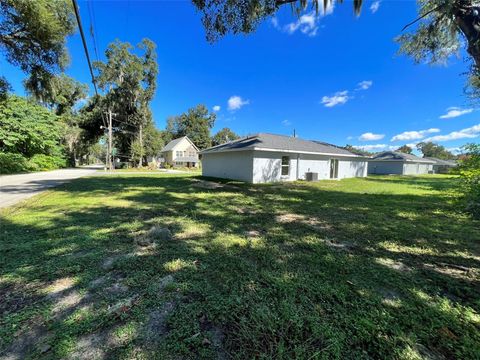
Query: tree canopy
<point>196,123</point>
<point>27,128</point>
<point>429,149</point>
<point>33,37</point>
<point>405,149</point>
<point>223,136</point>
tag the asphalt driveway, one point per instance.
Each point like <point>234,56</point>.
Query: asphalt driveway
<point>15,188</point>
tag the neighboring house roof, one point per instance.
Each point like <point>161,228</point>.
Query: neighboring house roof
<point>442,162</point>
<point>171,145</point>
<point>271,142</point>
<point>398,156</point>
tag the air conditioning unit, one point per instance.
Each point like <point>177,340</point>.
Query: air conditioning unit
<point>311,176</point>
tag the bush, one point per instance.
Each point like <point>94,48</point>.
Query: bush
<point>13,163</point>
<point>471,191</point>
<point>469,171</point>
<point>43,162</point>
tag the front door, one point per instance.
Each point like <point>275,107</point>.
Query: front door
<point>333,168</point>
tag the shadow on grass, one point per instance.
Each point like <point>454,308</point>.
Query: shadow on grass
<point>266,271</point>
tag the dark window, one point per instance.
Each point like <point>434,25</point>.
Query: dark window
<point>333,168</point>
<point>285,165</point>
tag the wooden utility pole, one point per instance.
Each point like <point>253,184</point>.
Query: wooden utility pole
<point>110,140</point>
<point>140,135</point>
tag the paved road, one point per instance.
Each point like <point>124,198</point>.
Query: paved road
<point>15,188</point>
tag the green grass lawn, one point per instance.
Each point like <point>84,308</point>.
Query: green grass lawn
<point>382,267</point>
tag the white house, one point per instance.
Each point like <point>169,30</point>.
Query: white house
<point>392,162</point>
<point>442,166</point>
<point>180,152</point>
<point>263,158</point>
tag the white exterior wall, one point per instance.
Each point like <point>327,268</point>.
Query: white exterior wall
<point>266,166</point>
<point>416,168</point>
<point>385,167</point>
<point>237,165</point>
<point>314,163</point>
<point>352,168</point>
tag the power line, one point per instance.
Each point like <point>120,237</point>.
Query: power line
<point>93,26</point>
<point>79,22</point>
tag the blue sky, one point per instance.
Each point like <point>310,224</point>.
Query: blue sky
<point>332,78</point>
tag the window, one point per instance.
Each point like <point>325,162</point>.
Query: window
<point>285,165</point>
<point>333,168</point>
<point>179,153</point>
<point>178,163</point>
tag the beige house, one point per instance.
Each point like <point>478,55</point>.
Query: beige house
<point>180,152</point>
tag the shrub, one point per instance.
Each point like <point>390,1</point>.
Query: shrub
<point>469,171</point>
<point>13,163</point>
<point>47,162</point>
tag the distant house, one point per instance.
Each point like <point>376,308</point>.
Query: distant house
<point>392,162</point>
<point>264,158</point>
<point>442,166</point>
<point>180,152</point>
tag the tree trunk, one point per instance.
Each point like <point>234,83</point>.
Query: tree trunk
<point>467,18</point>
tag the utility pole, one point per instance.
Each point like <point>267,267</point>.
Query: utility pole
<point>110,140</point>
<point>140,134</point>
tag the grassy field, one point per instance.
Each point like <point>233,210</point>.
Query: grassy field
<point>382,267</point>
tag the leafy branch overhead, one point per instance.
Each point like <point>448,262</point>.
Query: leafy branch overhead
<point>443,27</point>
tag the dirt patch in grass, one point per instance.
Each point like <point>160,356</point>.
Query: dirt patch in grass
<point>459,272</point>
<point>394,265</point>
<point>310,221</point>
<point>212,185</point>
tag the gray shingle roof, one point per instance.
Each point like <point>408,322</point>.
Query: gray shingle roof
<point>279,142</point>
<point>398,156</point>
<point>442,162</point>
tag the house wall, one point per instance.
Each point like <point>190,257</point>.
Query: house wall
<point>352,168</point>
<point>236,165</point>
<point>416,168</point>
<point>314,163</point>
<point>267,166</point>
<point>184,146</point>
<point>385,167</point>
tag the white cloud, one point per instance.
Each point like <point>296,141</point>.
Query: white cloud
<point>275,23</point>
<point>340,97</point>
<point>414,135</point>
<point>350,137</point>
<point>307,23</point>
<point>455,150</point>
<point>236,102</point>
<point>375,6</point>
<point>371,137</point>
<point>453,112</point>
<point>216,108</point>
<point>468,133</point>
<point>286,122</point>
<point>364,85</point>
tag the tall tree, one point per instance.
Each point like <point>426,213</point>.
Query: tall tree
<point>129,83</point>
<point>223,136</point>
<point>33,37</point>
<point>405,149</point>
<point>429,149</point>
<point>196,123</point>
<point>357,151</point>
